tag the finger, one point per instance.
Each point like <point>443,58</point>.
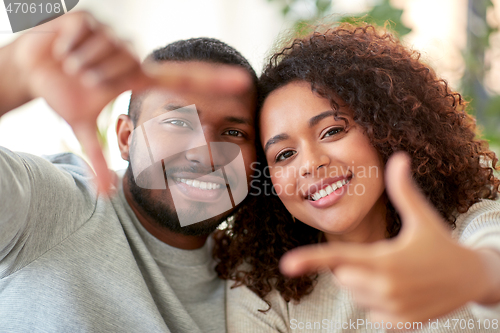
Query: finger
<point>368,286</point>
<point>361,283</point>
<point>133,79</point>
<point>73,29</point>
<point>405,194</point>
<point>355,277</point>
<point>91,51</point>
<point>189,77</point>
<point>311,258</point>
<point>111,68</point>
<point>86,133</point>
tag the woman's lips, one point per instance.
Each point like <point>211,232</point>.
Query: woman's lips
<point>330,194</point>
<point>321,188</point>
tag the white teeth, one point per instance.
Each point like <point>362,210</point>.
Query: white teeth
<point>198,184</point>
<point>329,189</point>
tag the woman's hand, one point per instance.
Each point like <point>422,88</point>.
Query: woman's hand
<point>421,274</point>
<point>78,66</point>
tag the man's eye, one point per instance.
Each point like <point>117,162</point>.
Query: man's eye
<point>333,131</point>
<point>284,155</point>
<point>178,123</point>
<point>233,133</point>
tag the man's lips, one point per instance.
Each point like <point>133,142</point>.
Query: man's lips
<point>336,182</point>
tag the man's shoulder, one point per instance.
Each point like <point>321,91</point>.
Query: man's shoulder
<point>70,161</point>
<point>67,165</point>
<point>64,177</point>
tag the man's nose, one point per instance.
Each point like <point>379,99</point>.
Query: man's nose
<point>199,155</point>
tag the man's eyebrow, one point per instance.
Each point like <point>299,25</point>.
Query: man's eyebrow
<point>316,119</point>
<point>239,120</point>
<point>178,108</point>
<point>275,139</point>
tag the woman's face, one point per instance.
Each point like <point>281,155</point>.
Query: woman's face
<point>325,171</point>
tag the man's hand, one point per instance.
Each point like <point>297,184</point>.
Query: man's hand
<point>78,66</point>
<point>421,274</point>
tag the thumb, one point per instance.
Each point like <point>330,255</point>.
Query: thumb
<point>404,194</point>
<point>86,133</point>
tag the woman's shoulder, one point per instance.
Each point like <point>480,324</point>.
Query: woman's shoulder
<point>248,312</point>
<point>242,296</point>
<point>483,216</point>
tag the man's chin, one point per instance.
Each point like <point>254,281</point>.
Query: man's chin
<point>202,228</point>
<point>167,217</point>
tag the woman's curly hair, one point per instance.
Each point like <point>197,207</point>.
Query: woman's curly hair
<point>402,106</point>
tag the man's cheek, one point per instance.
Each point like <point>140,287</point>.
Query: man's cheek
<point>230,157</point>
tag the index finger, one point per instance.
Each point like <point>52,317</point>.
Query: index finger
<point>191,76</point>
<point>311,258</point>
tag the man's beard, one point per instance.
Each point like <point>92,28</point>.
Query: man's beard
<point>167,217</point>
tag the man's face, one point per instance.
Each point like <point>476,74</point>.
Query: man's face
<point>190,157</point>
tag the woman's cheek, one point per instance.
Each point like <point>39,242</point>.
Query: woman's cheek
<point>282,186</point>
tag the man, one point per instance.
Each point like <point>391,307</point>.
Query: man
<point>73,259</point>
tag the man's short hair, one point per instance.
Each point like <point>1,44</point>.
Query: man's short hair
<point>204,49</point>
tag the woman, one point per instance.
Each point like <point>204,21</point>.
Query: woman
<point>335,107</point>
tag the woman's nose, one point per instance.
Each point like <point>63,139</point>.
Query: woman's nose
<point>312,161</point>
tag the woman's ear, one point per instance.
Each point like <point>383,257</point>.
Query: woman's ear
<point>124,129</point>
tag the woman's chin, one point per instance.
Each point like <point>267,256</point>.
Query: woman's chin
<point>336,229</point>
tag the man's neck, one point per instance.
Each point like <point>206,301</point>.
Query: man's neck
<point>165,235</point>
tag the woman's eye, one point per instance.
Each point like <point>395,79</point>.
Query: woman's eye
<point>333,131</point>
<point>284,155</point>
<point>233,133</point>
<point>178,123</point>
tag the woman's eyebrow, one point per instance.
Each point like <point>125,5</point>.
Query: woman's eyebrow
<point>275,139</point>
<point>316,119</point>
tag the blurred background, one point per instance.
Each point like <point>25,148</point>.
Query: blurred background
<point>458,38</point>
